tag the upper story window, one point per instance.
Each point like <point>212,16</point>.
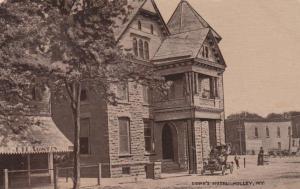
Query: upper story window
<point>146,94</point>
<point>151,29</point>
<point>289,131</point>
<point>83,95</point>
<point>139,25</point>
<point>135,47</point>
<point>124,135</point>
<point>141,49</point>
<point>146,48</point>
<point>122,91</point>
<point>36,94</point>
<point>256,132</point>
<point>267,132</point>
<point>206,52</point>
<point>278,132</point>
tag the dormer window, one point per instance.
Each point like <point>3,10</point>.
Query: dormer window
<point>152,29</point>
<point>206,52</point>
<point>139,25</point>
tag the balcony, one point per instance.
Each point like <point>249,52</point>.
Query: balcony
<point>207,103</point>
<point>172,103</point>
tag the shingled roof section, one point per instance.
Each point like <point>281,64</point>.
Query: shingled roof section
<point>185,44</point>
<point>186,18</point>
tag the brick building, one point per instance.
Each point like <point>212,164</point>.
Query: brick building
<point>177,131</point>
<point>247,136</point>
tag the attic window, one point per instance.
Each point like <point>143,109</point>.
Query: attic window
<point>206,52</point>
<point>139,25</point>
<point>152,29</point>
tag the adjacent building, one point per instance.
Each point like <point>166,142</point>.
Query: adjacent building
<point>177,129</point>
<point>247,136</point>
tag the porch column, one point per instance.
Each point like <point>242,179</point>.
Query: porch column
<point>199,145</point>
<point>51,167</point>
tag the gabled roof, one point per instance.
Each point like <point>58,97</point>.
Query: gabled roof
<point>135,7</point>
<point>186,44</point>
<point>186,18</point>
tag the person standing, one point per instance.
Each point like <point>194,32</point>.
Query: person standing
<point>236,160</point>
<point>260,159</point>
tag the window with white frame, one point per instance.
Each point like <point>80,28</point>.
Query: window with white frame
<point>124,136</point>
<point>148,135</point>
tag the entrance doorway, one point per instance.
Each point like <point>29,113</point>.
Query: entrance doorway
<point>169,142</point>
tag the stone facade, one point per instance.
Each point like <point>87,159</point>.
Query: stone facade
<point>182,128</point>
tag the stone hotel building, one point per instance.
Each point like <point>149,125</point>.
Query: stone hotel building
<point>177,131</point>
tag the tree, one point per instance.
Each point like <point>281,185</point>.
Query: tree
<point>63,43</point>
<point>275,116</point>
<point>245,116</point>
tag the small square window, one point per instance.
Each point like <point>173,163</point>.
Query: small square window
<point>126,170</point>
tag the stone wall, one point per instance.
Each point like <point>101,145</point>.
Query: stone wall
<point>136,111</point>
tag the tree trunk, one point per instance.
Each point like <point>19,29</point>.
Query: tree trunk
<point>76,116</point>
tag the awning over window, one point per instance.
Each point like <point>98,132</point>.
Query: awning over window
<point>41,137</point>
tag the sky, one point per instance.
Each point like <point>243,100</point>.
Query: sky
<point>261,47</point>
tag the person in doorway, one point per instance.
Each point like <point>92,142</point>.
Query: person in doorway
<point>236,160</point>
<point>260,159</point>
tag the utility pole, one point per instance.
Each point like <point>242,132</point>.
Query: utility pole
<point>240,133</point>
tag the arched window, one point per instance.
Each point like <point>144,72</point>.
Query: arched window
<point>152,29</point>
<point>135,47</point>
<point>36,94</point>
<point>139,25</point>
<point>256,132</point>
<point>278,132</point>
<point>141,49</point>
<point>146,47</point>
<point>267,132</point>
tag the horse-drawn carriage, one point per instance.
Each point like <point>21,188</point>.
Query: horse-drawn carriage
<point>217,161</point>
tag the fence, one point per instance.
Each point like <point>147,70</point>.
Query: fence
<point>59,177</point>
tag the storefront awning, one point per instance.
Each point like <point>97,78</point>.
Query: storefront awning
<point>42,136</point>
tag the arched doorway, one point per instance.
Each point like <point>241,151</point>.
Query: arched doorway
<point>169,142</point>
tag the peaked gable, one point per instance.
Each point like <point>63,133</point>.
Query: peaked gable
<point>210,50</point>
<point>185,18</point>
<point>135,6</point>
